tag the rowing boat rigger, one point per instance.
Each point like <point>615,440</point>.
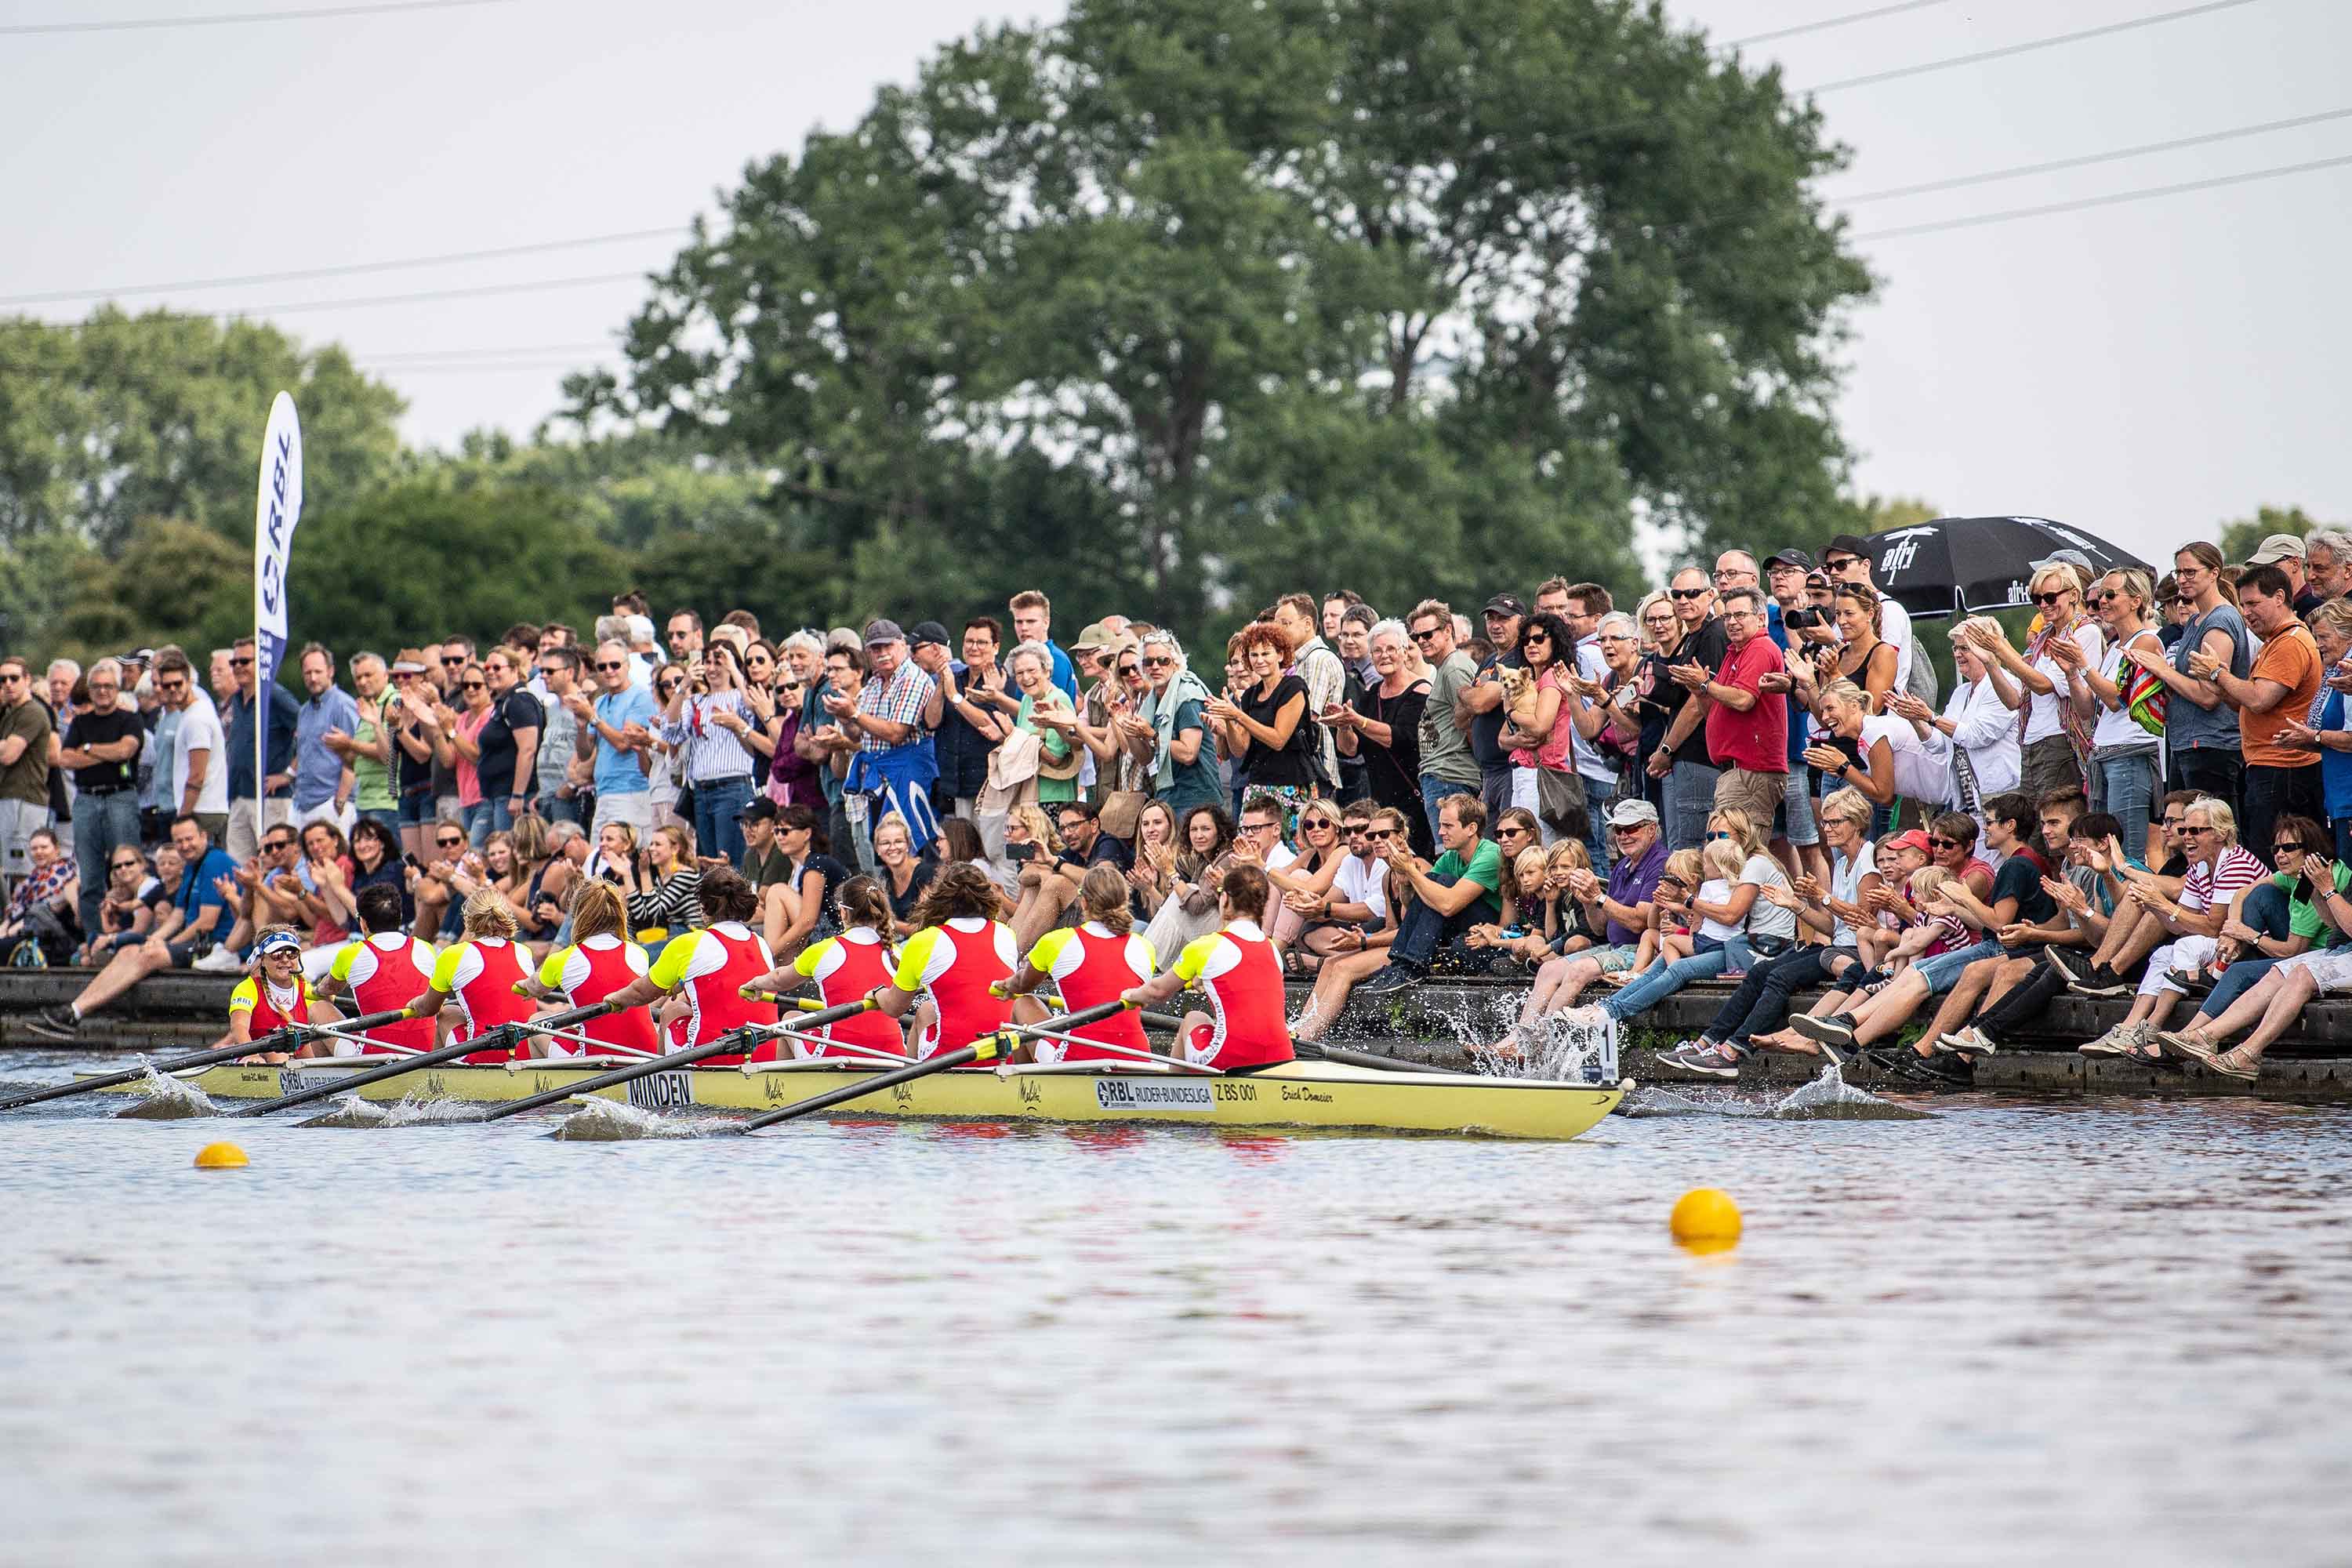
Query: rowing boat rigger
<point>1295,1094</point>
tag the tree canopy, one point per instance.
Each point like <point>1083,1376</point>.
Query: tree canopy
<point>1228,286</point>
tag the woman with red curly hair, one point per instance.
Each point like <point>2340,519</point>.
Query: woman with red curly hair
<point>1263,724</point>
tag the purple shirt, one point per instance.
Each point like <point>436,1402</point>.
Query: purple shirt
<point>1633,883</point>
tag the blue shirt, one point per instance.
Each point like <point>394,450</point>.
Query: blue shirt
<point>616,771</point>
<point>197,894</point>
<point>284,713</point>
<point>1066,674</point>
<point>316,768</point>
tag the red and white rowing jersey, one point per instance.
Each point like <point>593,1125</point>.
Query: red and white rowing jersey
<point>953,965</point>
<point>384,972</point>
<point>845,968</point>
<point>1241,974</point>
<point>709,968</point>
<point>271,1007</point>
<point>480,975</point>
<point>1091,964</point>
<point>588,972</point>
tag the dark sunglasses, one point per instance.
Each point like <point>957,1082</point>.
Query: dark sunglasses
<point>551,670</point>
<point>1424,636</point>
<point>1624,830</point>
<point>165,685</point>
<point>1158,660</point>
<point>1514,828</point>
<point>278,844</point>
<point>1130,671</point>
<point>1715,834</point>
<point>449,843</point>
<point>1690,593</point>
<point>453,658</point>
<point>1945,843</point>
<point>606,666</point>
<point>2048,601</point>
<point>472,686</point>
<point>240,663</point>
<point>2290,847</point>
<point>1380,833</point>
<point>119,865</point>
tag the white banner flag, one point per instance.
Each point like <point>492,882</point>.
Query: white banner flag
<point>277,511</point>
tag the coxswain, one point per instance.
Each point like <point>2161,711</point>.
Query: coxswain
<point>273,995</point>
<point>473,985</point>
<point>381,969</point>
<point>1245,1029</point>
<point>705,973</point>
<point>601,959</point>
<point>844,968</point>
<point>948,970</point>
<point>1095,961</point>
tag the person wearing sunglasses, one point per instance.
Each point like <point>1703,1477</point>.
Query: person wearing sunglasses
<point>616,734</point>
<point>1166,732</point>
<point>133,899</point>
<point>1447,763</point>
<point>101,747</point>
<point>1678,676</point>
<point>198,915</point>
<point>190,752</point>
<point>1847,561</point>
<point>2054,737</point>
<point>2281,778</point>
<point>1381,727</point>
<point>285,715</point>
<point>25,739</point>
<point>2125,702</point>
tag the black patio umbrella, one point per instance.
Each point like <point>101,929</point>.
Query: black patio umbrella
<point>1963,564</point>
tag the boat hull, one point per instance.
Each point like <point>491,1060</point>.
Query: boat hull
<point>1296,1094</point>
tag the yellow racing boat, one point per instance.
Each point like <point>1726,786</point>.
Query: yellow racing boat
<point>1295,1094</point>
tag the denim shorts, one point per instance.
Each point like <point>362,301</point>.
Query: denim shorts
<point>418,808</point>
<point>1942,972</point>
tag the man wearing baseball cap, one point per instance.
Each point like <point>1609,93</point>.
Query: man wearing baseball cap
<point>1848,559</point>
<point>1482,703</point>
<point>2285,552</point>
<point>894,767</point>
<point>764,862</point>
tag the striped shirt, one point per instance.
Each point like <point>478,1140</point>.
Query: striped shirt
<point>712,750</point>
<point>2213,886</point>
<point>675,903</point>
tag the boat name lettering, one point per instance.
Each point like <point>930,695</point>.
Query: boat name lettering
<point>1293,1092</point>
<point>662,1091</point>
<point>1032,1092</point>
<point>1229,1091</point>
<point>1147,1094</point>
<point>292,1080</point>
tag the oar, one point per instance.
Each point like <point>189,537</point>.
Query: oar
<point>732,1040</point>
<point>987,1048</point>
<point>501,1038</point>
<point>276,1040</point>
<point>1312,1052</point>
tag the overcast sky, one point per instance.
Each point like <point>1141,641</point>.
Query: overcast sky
<point>2143,369</point>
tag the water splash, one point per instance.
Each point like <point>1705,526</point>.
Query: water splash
<point>350,1111</point>
<point>1828,1097</point>
<point>1550,1048</point>
<point>167,1099</point>
<point>617,1121</point>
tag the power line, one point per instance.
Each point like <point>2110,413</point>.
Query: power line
<point>528,287</point>
<point>142,24</point>
<point>1870,15</point>
<point>2117,199</point>
<point>2146,147</point>
<point>519,351</point>
<point>348,270</point>
<point>2009,50</point>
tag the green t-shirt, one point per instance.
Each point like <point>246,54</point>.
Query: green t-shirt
<point>1445,750</point>
<point>2302,917</point>
<point>372,780</point>
<point>1486,869</point>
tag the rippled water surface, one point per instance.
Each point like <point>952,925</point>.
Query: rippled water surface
<point>2112,1332</point>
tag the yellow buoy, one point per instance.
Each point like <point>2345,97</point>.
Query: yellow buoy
<point>220,1157</point>
<point>1705,1220</point>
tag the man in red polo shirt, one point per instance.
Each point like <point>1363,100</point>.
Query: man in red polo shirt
<point>1747,711</point>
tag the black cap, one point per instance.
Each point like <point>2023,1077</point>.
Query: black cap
<point>1850,545</point>
<point>761,809</point>
<point>928,634</point>
<point>1796,558</point>
<point>1507,605</point>
<point>878,632</point>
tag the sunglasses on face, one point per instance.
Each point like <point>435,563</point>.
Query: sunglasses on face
<point>1688,592</point>
<point>121,865</point>
<point>472,686</point>
<point>1427,635</point>
<point>449,843</point>
<point>2051,600</point>
<point>1131,671</point>
<point>608,669</point>
<point>447,659</point>
<point>2173,825</point>
<point>2286,848</point>
<point>2197,830</point>
<point>1715,834</point>
<point>1157,660</point>
<point>167,685</point>
<point>279,844</point>
<point>1627,831</point>
<point>1380,833</point>
<point>1944,843</point>
<point>239,663</point>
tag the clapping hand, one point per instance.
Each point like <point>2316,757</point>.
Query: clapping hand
<point>1904,705</point>
<point>2205,666</point>
<point>2065,894</point>
<point>1775,680</point>
<point>2295,733</point>
<point>1829,759</point>
<point>2065,652</point>
<point>2238,931</point>
<point>2148,659</point>
<point>1692,675</point>
<point>1785,897</point>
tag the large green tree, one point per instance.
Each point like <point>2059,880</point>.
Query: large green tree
<point>1423,294</point>
<point>2241,538</point>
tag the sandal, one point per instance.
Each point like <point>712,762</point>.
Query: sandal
<point>2235,1062</point>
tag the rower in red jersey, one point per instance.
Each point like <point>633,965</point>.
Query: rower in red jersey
<point>947,970</point>
<point>274,994</point>
<point>705,973</point>
<point>1240,970</point>
<point>382,970</point>
<point>473,985</point>
<point>844,968</point>
<point>600,961</point>
<point>1092,963</point>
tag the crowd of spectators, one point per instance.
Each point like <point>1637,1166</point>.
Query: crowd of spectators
<point>1749,773</point>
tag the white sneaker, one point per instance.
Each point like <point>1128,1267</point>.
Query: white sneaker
<point>2117,1042</point>
<point>219,961</point>
<point>1970,1038</point>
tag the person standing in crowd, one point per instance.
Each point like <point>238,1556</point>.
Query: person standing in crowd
<point>968,728</point>
<point>366,747</point>
<point>1318,668</point>
<point>893,767</point>
<point>685,634</point>
<point>220,679</point>
<point>101,746</point>
<point>2328,732</point>
<point>25,732</point>
<point>1447,766</point>
<point>1354,643</point>
<point>324,777</point>
<point>1385,732</point>
<point>1263,727</point>
<point>557,798</point>
<point>2326,566</point>
<point>1847,561</point>
<point>1747,711</point>
<point>2280,779</point>
<point>1681,757</point>
<point>616,732</point>
<point>1480,709</point>
<point>2285,551</point>
<point>2055,739</point>
<point>2124,744</point>
<point>1032,621</point>
<point>243,825</point>
<point>199,773</point>
<point>706,723</point>
<point>1543,781</point>
<point>1168,730</point>
<point>2200,731</point>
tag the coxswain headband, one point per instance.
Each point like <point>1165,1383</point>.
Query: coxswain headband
<point>278,941</point>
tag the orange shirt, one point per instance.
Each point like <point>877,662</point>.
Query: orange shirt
<point>2292,659</point>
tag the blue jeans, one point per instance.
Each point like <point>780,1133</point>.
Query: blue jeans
<point>555,808</point>
<point>2266,909</point>
<point>390,818</point>
<point>102,824</point>
<point>715,831</point>
<point>1943,970</point>
<point>1690,801</point>
<point>1433,790</point>
<point>477,820</point>
<point>1599,794</point>
<point>1660,981</point>
<point>2124,787</point>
